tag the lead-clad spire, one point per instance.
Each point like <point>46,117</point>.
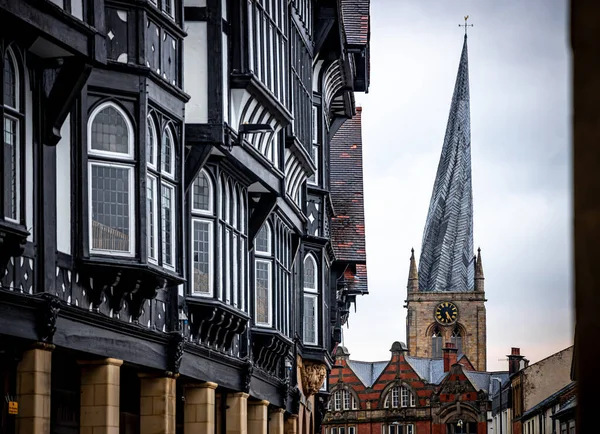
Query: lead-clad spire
<point>446,262</point>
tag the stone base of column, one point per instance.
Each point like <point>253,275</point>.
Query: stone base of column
<point>199,409</point>
<point>291,424</point>
<point>33,391</point>
<point>157,404</point>
<point>100,382</point>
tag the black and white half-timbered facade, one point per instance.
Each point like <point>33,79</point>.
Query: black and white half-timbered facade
<point>172,256</point>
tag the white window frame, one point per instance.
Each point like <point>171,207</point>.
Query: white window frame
<point>210,211</point>
<point>337,401</point>
<point>395,401</point>
<point>351,430</point>
<point>130,135</point>
<point>168,130</point>
<point>18,148</point>
<point>151,124</point>
<point>131,203</point>
<point>315,124</point>
<point>315,290</point>
<point>346,399</point>
<point>211,273</point>
<point>269,263</point>
<point>410,428</point>
<point>154,179</point>
<point>172,4</point>
<point>173,218</point>
<point>315,297</point>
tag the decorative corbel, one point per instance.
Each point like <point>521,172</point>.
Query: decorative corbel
<point>248,370</point>
<point>47,316</point>
<point>175,353</point>
<point>313,375</point>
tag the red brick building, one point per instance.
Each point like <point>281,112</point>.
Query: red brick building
<point>409,395</point>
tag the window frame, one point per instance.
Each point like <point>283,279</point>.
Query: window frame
<point>153,259</point>
<point>269,263</point>
<point>130,155</point>
<point>210,211</point>
<point>211,246</point>
<point>132,210</point>
<point>173,264</point>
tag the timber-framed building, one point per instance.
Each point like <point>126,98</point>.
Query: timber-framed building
<point>171,259</point>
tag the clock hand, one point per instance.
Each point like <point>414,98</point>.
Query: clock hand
<point>448,316</point>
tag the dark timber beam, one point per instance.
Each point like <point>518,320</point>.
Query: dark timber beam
<point>324,22</point>
<point>194,162</point>
<point>262,209</point>
<point>66,88</point>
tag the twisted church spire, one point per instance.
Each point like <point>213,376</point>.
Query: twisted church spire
<point>446,262</point>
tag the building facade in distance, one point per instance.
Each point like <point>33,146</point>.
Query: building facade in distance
<point>171,259</point>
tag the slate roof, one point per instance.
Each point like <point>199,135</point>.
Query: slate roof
<point>355,19</point>
<point>548,401</point>
<point>431,370</point>
<point>483,380</point>
<point>346,187</point>
<point>446,262</point>
<point>567,406</point>
<point>367,372</point>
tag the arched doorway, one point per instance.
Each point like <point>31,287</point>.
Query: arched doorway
<point>461,427</point>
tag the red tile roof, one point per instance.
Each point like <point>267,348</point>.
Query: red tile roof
<point>355,18</point>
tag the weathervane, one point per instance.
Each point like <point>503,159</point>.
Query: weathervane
<point>465,25</point>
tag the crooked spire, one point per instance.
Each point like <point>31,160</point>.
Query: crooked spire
<point>446,262</point>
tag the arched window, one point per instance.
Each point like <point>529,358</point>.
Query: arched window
<point>111,181</point>
<point>400,396</point>
<point>263,275</point>
<point>436,343</point>
<point>151,141</point>
<point>167,194</point>
<point>13,119</point>
<point>151,190</point>
<point>457,339</point>
<point>311,297</point>
<point>342,399</point>
<point>202,235</point>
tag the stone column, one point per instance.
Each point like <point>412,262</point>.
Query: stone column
<point>258,413</point>
<point>100,381</point>
<point>291,424</point>
<point>33,391</point>
<point>199,409</point>
<point>157,404</point>
<point>237,413</point>
<point>276,424</point>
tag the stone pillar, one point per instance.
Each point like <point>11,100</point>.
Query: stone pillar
<point>157,404</point>
<point>100,381</point>
<point>33,391</point>
<point>276,424</point>
<point>237,413</point>
<point>291,424</point>
<point>199,409</point>
<point>258,414</point>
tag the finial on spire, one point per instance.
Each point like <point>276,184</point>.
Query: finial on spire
<point>479,272</point>
<point>413,275</point>
<point>465,25</point>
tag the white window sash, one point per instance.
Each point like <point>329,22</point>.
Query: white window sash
<point>269,292</point>
<point>171,170</point>
<point>153,259</point>
<point>150,124</point>
<point>173,218</point>
<point>131,203</point>
<point>18,147</point>
<point>130,135</point>
<point>315,319</point>
<point>314,290</point>
<point>210,259</point>
<point>210,210</point>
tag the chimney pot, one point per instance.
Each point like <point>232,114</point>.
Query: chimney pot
<point>515,351</point>
<point>515,361</point>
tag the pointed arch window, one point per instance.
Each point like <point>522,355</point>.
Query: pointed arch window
<point>436,343</point>
<point>111,186</point>
<point>13,119</point>
<point>263,276</point>
<point>168,202</point>
<point>202,235</point>
<point>457,339</point>
<point>311,297</point>
<point>400,396</point>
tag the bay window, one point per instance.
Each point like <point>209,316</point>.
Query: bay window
<point>202,235</point>
<point>311,297</point>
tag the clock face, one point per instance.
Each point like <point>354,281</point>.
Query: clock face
<point>446,313</point>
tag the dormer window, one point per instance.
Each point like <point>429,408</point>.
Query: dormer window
<point>111,186</point>
<point>342,399</point>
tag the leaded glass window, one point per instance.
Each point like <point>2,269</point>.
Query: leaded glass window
<point>151,218</point>
<point>310,319</point>
<point>168,224</point>
<point>436,343</point>
<point>202,257</point>
<point>11,166</point>
<point>263,292</point>
<point>111,185</point>
<point>202,193</point>
<point>457,339</point>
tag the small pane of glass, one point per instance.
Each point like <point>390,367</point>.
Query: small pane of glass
<point>10,81</point>
<point>309,273</point>
<point>201,252</point>
<point>110,208</point>
<point>167,224</point>
<point>201,193</point>
<point>263,283</point>
<point>110,132</point>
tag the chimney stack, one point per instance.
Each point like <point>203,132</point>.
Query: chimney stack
<point>450,355</point>
<point>514,361</point>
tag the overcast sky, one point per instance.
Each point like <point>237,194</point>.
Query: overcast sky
<point>519,66</point>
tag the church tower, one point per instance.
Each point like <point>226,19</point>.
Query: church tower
<point>446,297</point>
